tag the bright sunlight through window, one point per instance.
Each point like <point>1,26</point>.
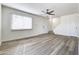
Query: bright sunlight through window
<point>21,22</point>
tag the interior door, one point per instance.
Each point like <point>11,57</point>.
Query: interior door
<point>77,25</point>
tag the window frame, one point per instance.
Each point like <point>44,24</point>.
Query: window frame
<point>21,28</point>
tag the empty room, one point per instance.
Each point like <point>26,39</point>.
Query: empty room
<point>39,28</point>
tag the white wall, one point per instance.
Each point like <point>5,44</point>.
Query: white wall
<point>0,24</point>
<point>77,8</point>
<point>39,25</point>
<point>68,25</point>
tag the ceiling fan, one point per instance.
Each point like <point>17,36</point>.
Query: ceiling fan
<point>48,12</point>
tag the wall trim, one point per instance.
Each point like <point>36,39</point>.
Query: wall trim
<point>25,37</point>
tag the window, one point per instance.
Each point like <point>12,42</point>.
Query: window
<point>21,22</point>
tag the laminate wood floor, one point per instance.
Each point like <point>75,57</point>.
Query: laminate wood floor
<point>47,44</point>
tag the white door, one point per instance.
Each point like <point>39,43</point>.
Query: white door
<point>77,26</point>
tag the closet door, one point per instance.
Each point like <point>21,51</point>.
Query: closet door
<point>77,25</point>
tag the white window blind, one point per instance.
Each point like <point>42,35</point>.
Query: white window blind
<point>21,22</point>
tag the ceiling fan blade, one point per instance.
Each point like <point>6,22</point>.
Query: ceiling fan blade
<point>51,11</point>
<point>51,14</point>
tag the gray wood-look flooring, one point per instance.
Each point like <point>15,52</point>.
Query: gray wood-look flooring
<point>47,44</point>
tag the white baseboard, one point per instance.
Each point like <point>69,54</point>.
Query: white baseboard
<point>23,37</point>
<point>67,35</point>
